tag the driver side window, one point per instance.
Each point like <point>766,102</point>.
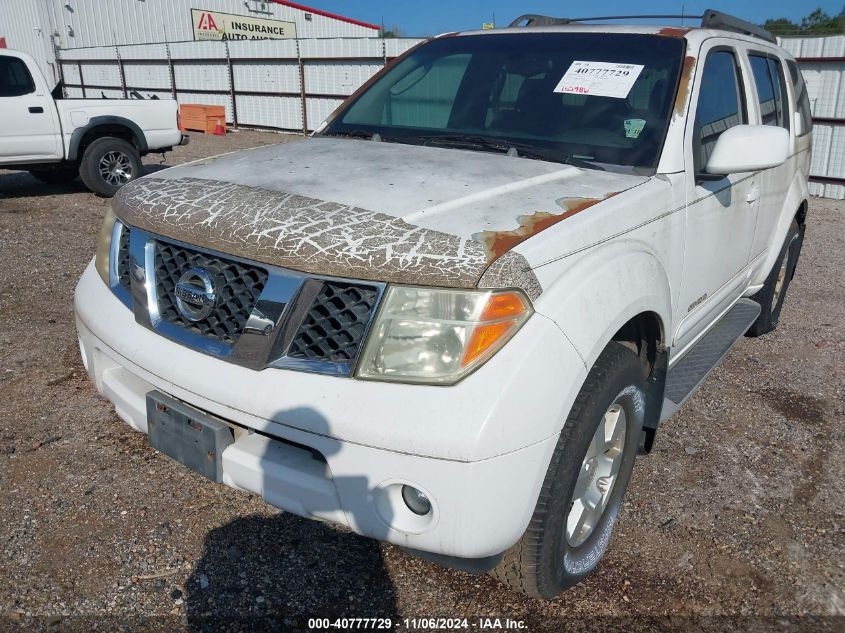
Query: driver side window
<point>720,104</point>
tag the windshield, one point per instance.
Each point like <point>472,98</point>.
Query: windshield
<point>592,99</point>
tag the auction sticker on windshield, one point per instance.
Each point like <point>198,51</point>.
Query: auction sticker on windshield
<point>599,79</point>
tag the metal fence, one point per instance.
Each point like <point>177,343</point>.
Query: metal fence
<point>290,85</point>
<point>293,85</point>
<point>822,63</point>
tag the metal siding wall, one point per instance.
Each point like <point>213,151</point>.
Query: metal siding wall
<point>148,77</point>
<point>274,112</point>
<point>269,76</point>
<point>107,74</point>
<point>338,77</point>
<point>26,26</point>
<point>332,68</point>
<point>109,22</point>
<point>826,90</point>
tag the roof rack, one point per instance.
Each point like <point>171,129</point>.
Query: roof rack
<point>710,19</point>
<point>726,22</point>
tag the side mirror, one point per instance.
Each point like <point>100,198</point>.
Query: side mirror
<point>748,148</point>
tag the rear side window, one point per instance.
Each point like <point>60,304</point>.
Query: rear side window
<point>720,104</point>
<point>768,77</point>
<point>801,97</point>
<point>15,79</point>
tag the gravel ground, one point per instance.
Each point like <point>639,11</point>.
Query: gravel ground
<point>735,521</point>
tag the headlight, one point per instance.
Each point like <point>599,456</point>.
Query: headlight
<point>438,336</point>
<point>101,261</point>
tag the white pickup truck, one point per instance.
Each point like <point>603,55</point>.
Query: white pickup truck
<point>99,140</point>
<point>454,317</point>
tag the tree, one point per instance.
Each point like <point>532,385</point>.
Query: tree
<point>781,26</point>
<point>815,23</point>
<point>820,23</point>
<point>390,33</point>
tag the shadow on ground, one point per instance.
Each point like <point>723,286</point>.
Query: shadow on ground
<point>21,184</point>
<point>275,573</point>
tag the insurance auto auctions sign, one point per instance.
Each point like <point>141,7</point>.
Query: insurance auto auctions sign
<point>212,25</point>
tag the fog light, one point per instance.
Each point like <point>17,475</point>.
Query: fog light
<point>416,500</point>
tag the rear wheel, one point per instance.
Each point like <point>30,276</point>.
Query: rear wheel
<point>585,483</point>
<point>772,294</point>
<point>63,176</point>
<point>109,163</point>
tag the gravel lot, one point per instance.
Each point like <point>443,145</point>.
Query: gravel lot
<point>735,521</point>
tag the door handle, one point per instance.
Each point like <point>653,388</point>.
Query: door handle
<point>36,110</point>
<point>753,194</point>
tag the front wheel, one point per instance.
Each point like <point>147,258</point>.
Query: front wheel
<point>109,163</point>
<point>585,483</point>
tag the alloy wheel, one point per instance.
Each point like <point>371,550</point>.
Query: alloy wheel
<point>597,476</point>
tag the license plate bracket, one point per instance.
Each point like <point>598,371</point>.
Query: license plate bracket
<point>190,436</point>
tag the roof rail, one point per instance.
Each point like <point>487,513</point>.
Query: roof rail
<point>726,22</point>
<point>533,19</point>
<point>709,20</point>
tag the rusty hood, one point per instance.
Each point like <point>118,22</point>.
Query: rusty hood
<point>367,210</point>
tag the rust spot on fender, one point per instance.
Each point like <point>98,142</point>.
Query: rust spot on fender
<point>674,31</point>
<point>497,243</point>
<point>684,84</point>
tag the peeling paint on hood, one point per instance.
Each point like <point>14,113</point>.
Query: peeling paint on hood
<point>368,210</point>
<point>497,243</point>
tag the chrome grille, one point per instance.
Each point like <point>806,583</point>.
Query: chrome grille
<point>262,316</point>
<point>123,259</point>
<point>336,323</point>
<point>239,286</point>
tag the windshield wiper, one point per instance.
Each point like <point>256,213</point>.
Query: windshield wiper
<point>583,163</point>
<point>370,136</point>
<point>465,141</point>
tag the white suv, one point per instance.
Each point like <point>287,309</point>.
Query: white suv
<point>453,317</point>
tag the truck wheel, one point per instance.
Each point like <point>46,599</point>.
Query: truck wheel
<point>56,176</point>
<point>586,480</point>
<point>109,163</point>
<point>771,295</point>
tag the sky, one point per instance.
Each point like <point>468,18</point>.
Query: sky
<point>415,17</point>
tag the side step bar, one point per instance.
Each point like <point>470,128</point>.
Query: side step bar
<point>687,375</point>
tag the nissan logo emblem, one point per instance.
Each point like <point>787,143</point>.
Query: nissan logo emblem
<point>195,294</point>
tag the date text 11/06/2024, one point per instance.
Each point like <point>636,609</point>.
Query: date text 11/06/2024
<point>387,624</point>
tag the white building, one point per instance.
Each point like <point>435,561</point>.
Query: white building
<point>39,26</point>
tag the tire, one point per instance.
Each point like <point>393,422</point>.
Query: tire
<point>109,163</point>
<point>772,294</point>
<point>63,176</point>
<point>548,559</point>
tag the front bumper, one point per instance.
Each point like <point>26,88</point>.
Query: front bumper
<point>368,438</point>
